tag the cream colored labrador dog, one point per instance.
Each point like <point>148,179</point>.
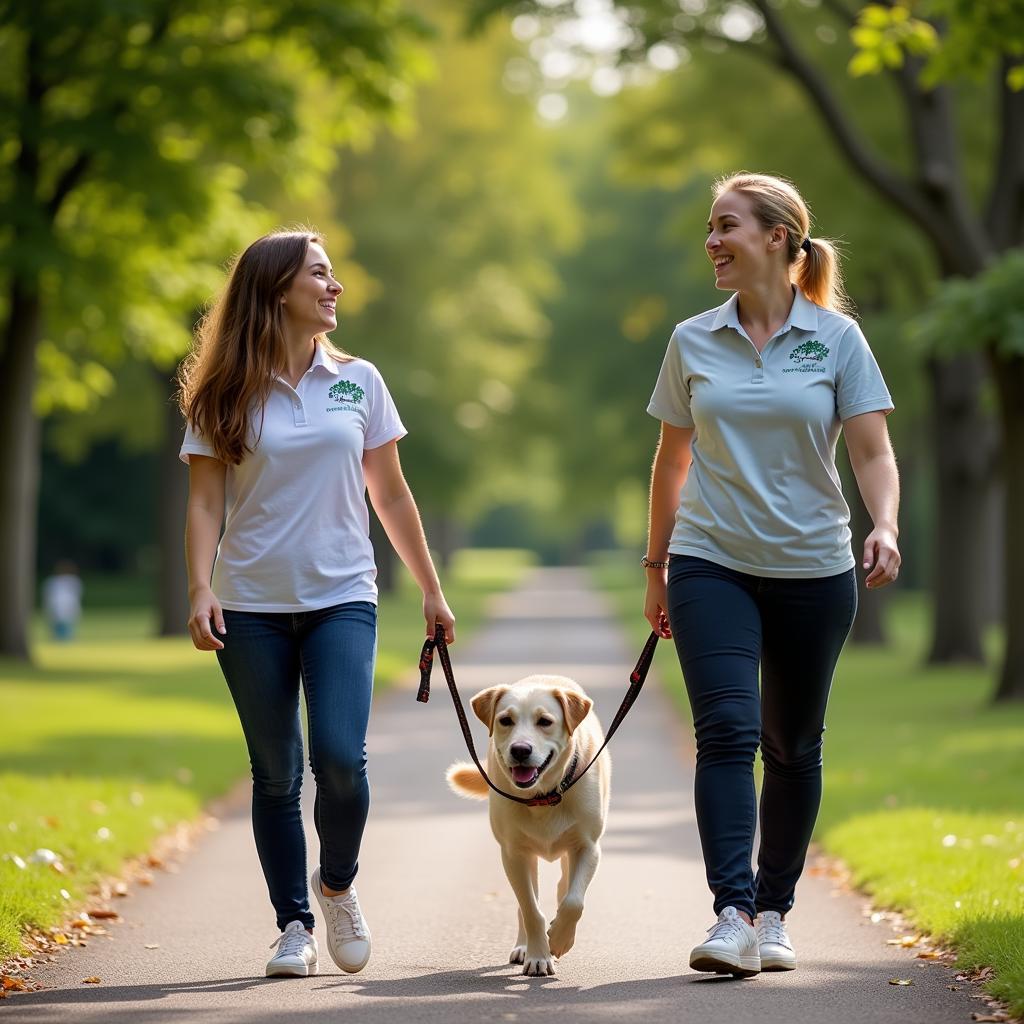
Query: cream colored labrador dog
<point>542,734</point>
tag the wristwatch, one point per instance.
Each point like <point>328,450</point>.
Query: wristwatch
<point>648,564</point>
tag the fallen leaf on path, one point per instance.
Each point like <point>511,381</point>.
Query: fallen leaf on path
<point>82,921</point>
<point>9,984</point>
<point>152,945</point>
<point>994,1018</point>
<point>121,889</point>
<point>61,940</point>
<point>900,981</point>
<point>928,954</point>
<point>906,941</point>
<point>91,981</point>
<point>108,915</point>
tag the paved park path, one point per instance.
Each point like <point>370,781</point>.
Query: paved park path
<point>441,912</point>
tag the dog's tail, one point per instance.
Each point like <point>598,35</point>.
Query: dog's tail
<point>464,779</point>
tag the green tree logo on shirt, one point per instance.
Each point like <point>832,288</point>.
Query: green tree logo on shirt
<point>813,350</point>
<point>346,391</point>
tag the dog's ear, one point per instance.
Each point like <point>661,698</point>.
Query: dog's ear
<point>484,704</point>
<point>575,707</point>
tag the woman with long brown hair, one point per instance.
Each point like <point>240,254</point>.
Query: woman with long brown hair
<point>284,435</point>
<point>749,560</point>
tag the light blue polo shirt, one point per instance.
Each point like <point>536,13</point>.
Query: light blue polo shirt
<point>763,494</point>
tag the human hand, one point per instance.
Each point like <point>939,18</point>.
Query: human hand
<point>656,601</point>
<point>436,612</point>
<point>881,557</point>
<point>204,611</point>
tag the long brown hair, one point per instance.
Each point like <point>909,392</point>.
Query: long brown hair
<point>814,270</point>
<point>240,347</point>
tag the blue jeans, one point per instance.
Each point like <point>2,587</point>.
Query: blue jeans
<point>727,625</point>
<point>333,650</point>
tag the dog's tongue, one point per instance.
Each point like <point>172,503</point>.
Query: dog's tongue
<point>524,773</point>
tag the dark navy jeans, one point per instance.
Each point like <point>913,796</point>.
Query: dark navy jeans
<point>333,651</point>
<point>728,625</point>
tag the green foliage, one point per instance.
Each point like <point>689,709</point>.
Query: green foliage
<point>955,38</point>
<point>882,36</point>
<point>137,138</point>
<point>456,221</point>
<point>983,312</point>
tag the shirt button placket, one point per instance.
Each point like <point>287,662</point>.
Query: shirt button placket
<point>298,411</point>
<point>757,377</point>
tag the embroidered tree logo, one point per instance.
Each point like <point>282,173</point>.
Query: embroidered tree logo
<point>346,391</point>
<point>813,350</point>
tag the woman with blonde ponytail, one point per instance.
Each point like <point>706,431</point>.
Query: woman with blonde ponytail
<point>749,562</point>
<point>285,436</point>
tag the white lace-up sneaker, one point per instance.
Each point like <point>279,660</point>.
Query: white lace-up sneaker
<point>777,953</point>
<point>730,948</point>
<point>296,955</point>
<point>348,936</point>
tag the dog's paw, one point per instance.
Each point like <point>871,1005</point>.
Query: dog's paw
<point>562,933</point>
<point>518,955</point>
<point>538,966</point>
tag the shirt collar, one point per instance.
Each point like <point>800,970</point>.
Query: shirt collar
<point>322,358</point>
<point>803,315</point>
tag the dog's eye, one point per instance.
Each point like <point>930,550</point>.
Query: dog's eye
<point>505,720</point>
<point>544,722</point>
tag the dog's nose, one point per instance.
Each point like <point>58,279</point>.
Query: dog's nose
<point>520,751</point>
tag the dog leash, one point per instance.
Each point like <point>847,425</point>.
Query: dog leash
<point>636,682</point>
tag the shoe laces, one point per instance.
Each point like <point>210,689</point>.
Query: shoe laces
<point>291,942</point>
<point>727,925</point>
<point>771,928</point>
<point>346,918</point>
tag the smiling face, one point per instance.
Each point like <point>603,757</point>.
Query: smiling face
<point>742,250</point>
<point>310,302</point>
<point>531,725</point>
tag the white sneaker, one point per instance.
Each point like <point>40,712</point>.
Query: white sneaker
<point>730,948</point>
<point>296,955</point>
<point>348,936</point>
<point>777,953</point>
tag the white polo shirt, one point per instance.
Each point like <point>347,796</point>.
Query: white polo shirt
<point>763,494</point>
<point>296,529</point>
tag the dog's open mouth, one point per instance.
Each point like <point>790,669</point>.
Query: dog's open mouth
<point>525,775</point>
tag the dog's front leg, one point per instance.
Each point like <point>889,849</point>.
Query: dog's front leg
<point>518,954</point>
<point>580,869</point>
<point>520,870</point>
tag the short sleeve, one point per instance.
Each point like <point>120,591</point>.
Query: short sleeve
<point>671,399</point>
<point>860,386</point>
<point>383,423</point>
<point>194,445</point>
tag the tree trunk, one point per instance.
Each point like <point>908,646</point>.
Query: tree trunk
<point>1009,374</point>
<point>869,625</point>
<point>19,482</point>
<point>172,483</point>
<point>444,534</point>
<point>964,442</point>
<point>384,555</point>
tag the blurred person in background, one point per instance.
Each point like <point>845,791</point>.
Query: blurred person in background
<point>749,561</point>
<point>285,435</point>
<point>62,600</point>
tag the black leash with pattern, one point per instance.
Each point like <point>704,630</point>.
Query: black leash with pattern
<point>636,682</point>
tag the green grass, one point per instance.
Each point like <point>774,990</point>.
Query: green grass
<point>111,740</point>
<point>924,798</point>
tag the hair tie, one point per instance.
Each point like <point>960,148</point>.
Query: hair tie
<point>806,244</point>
